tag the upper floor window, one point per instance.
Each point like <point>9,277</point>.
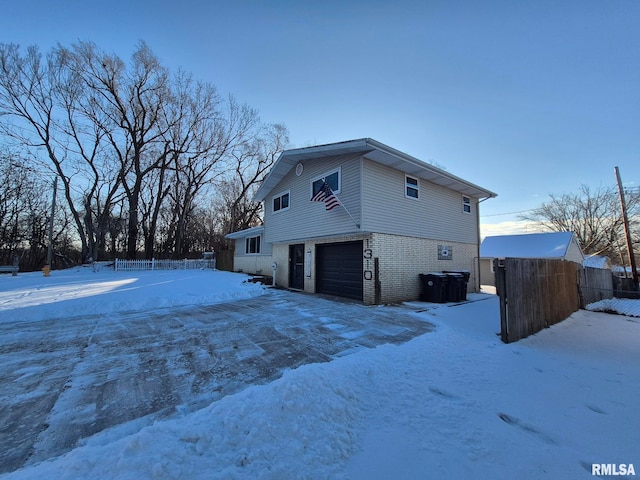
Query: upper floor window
<point>412,187</point>
<point>281,202</point>
<point>332,179</point>
<point>253,244</point>
<point>466,204</point>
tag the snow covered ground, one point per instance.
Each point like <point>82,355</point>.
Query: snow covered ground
<point>82,291</point>
<point>453,403</point>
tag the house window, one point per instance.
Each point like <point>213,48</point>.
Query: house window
<point>412,187</point>
<point>466,204</point>
<point>281,202</point>
<point>332,179</point>
<point>253,245</point>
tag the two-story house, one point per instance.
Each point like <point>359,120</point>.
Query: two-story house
<point>398,217</point>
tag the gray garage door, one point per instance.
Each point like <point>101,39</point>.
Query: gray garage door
<point>339,269</point>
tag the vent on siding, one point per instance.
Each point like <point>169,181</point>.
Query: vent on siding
<point>445,252</point>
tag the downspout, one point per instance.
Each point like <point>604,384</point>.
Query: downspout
<point>478,224</point>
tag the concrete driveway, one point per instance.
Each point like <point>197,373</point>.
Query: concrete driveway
<point>83,379</point>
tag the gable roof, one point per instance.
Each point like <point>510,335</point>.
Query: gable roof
<point>531,245</point>
<point>372,150</point>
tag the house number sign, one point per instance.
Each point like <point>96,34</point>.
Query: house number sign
<point>368,255</point>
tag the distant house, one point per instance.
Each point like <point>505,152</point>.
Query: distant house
<point>383,217</point>
<point>552,245</point>
<point>597,261</point>
<point>625,272</point>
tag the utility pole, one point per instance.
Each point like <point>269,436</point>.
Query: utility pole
<point>53,211</point>
<point>625,219</point>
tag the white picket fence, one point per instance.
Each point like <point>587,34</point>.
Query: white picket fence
<point>153,264</point>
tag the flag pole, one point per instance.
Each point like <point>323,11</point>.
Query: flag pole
<point>323,194</point>
<point>345,209</point>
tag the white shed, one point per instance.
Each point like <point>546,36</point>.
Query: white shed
<point>551,245</point>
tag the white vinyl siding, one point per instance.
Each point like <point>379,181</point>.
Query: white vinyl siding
<point>574,253</point>
<point>378,207</point>
<point>436,214</point>
<point>307,219</point>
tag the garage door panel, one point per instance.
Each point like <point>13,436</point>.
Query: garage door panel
<point>339,269</point>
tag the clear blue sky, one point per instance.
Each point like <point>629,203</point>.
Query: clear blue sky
<point>525,98</point>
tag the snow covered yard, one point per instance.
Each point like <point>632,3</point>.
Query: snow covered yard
<point>453,403</point>
<point>82,291</point>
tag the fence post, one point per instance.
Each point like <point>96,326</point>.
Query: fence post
<point>499,269</point>
<point>153,264</point>
<point>116,265</point>
<point>501,290</point>
<point>184,264</point>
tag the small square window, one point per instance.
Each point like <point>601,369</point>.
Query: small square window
<point>412,187</point>
<point>281,202</point>
<point>466,204</point>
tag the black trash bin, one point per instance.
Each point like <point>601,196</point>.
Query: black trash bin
<point>455,285</point>
<point>433,287</point>
<point>465,276</point>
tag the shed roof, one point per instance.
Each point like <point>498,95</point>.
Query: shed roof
<point>248,232</point>
<point>372,150</point>
<point>531,245</point>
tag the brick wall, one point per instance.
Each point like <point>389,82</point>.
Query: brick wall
<point>403,259</point>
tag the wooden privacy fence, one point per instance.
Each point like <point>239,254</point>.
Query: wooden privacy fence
<point>537,293</point>
<point>595,284</point>
<point>153,264</point>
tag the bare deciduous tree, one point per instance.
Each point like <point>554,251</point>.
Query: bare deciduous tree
<point>252,162</point>
<point>133,144</point>
<point>594,215</point>
<point>24,214</point>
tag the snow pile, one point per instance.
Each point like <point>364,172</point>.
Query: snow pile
<point>622,306</point>
<point>298,427</point>
<point>82,291</point>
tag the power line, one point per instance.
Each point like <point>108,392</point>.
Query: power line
<point>629,190</point>
<point>508,213</point>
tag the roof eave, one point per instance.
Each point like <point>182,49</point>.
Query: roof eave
<point>246,232</point>
<point>412,165</point>
<point>377,152</point>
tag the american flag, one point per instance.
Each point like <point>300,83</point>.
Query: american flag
<point>325,194</point>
